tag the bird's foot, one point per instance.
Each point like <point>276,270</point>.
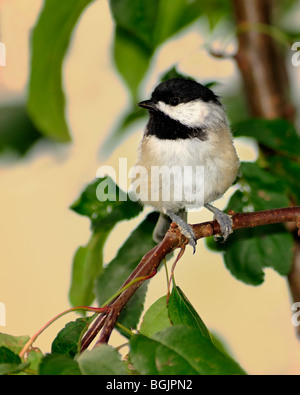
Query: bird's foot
<point>224,221</point>
<point>184,228</point>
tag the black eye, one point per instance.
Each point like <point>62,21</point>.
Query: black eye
<point>174,101</point>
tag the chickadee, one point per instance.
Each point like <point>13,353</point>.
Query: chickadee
<point>187,128</point>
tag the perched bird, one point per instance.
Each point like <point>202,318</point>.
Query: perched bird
<point>187,131</point>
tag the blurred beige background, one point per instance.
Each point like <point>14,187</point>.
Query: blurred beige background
<point>39,234</point>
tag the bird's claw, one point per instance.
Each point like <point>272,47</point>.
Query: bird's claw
<point>225,223</point>
<point>188,232</point>
<point>185,229</point>
<point>224,220</point>
<point>193,243</point>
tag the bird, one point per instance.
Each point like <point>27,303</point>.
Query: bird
<point>187,131</point>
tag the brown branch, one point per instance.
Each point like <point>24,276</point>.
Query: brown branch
<point>262,64</point>
<point>172,240</point>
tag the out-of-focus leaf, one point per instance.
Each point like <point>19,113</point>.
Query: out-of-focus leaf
<point>277,134</point>
<point>235,102</point>
<point>14,343</point>
<point>117,271</point>
<point>133,43</point>
<point>58,365</point>
<point>181,311</point>
<point>288,171</point>
<point>141,26</point>
<point>180,350</point>
<point>104,360</point>
<point>87,265</point>
<point>50,40</point>
<point>156,318</point>
<point>174,73</point>
<point>259,190</point>
<point>104,215</point>
<point>293,36</point>
<point>136,17</point>
<point>8,356</point>
<point>132,59</point>
<point>248,251</point>
<point>17,132</point>
<point>10,362</point>
<point>67,340</point>
<point>34,357</point>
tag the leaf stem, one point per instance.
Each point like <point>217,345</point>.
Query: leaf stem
<point>97,310</point>
<point>121,290</point>
<point>130,333</point>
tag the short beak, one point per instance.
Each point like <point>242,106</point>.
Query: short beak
<point>149,104</point>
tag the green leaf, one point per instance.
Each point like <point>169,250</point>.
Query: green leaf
<point>141,26</point>
<point>216,10</point>
<point>58,365</point>
<point>181,311</point>
<point>117,271</point>
<point>174,15</point>
<point>180,350</point>
<point>103,360</point>
<point>8,356</point>
<point>87,265</point>
<point>10,363</point>
<point>105,204</point>
<point>288,172</point>
<point>17,132</point>
<point>220,344</point>
<point>136,17</point>
<point>10,368</point>
<point>34,357</point>
<point>248,251</point>
<point>150,357</point>
<point>14,343</point>
<point>50,41</point>
<point>133,48</point>
<point>277,134</point>
<point>173,73</point>
<point>156,318</point>
<point>68,339</point>
<point>104,215</point>
<point>259,190</point>
<point>131,58</point>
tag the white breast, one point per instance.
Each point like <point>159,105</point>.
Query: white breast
<point>188,156</point>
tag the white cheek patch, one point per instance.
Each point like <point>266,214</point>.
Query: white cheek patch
<point>191,114</point>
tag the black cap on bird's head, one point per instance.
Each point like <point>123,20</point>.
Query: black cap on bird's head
<point>179,90</point>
